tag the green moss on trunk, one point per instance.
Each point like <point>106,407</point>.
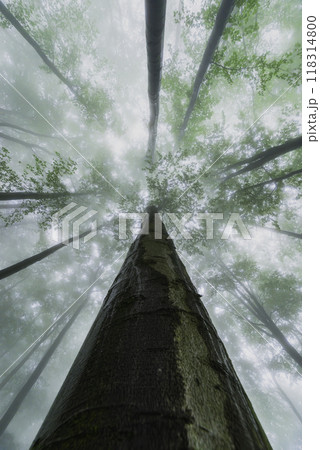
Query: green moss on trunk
<point>152,372</point>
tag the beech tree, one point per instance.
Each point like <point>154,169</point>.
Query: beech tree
<point>221,136</point>
<point>155,21</point>
<point>255,307</point>
<point>10,17</point>
<point>255,296</point>
<point>223,14</point>
<point>157,350</point>
<point>11,270</point>
<point>262,158</point>
<point>83,93</point>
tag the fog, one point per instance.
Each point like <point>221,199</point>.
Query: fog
<point>244,109</point>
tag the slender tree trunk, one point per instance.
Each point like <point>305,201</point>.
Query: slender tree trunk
<point>7,196</point>
<point>251,83</point>
<point>20,337</point>
<point>273,180</point>
<point>251,302</point>
<point>256,308</point>
<point>153,372</point>
<point>9,288</point>
<point>262,158</point>
<point>12,206</point>
<point>269,327</point>
<point>223,14</point>
<point>286,233</point>
<point>25,130</point>
<point>15,268</point>
<point>5,379</point>
<point>288,400</point>
<point>283,341</point>
<point>274,152</point>
<point>17,25</point>
<point>155,22</point>
<point>25,389</point>
<point>21,142</point>
<point>178,29</point>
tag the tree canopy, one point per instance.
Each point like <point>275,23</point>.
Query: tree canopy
<point>222,121</point>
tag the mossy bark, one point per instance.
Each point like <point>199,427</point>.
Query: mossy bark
<point>152,373</point>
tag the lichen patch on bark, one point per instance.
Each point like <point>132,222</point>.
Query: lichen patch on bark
<point>152,372</point>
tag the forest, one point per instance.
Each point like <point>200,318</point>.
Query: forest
<point>106,108</point>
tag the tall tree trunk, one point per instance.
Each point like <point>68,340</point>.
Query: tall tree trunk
<point>223,14</point>
<point>25,389</point>
<point>257,161</point>
<point>152,372</point>
<point>155,22</point>
<point>17,25</point>
<point>15,268</point>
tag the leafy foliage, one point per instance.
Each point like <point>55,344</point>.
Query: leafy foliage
<point>249,102</point>
<point>40,177</point>
<point>55,27</point>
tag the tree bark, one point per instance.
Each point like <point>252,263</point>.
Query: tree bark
<point>15,268</point>
<point>155,23</point>
<point>223,14</point>
<point>152,372</point>
<point>262,158</point>
<point>25,389</point>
